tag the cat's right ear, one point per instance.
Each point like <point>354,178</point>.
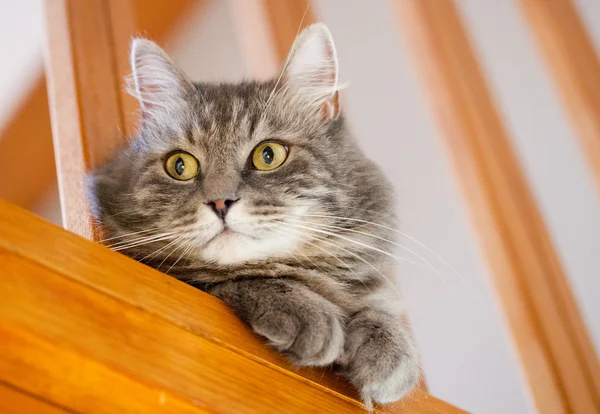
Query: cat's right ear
<point>155,80</point>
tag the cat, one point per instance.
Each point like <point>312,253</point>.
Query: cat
<point>257,193</point>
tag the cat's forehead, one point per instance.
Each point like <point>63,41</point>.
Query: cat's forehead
<point>222,120</point>
<point>225,102</point>
<point>228,113</point>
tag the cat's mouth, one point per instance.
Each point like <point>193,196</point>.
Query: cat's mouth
<point>226,233</point>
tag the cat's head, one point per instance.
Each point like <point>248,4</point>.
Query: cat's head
<point>229,173</point>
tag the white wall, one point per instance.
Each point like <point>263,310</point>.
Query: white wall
<point>21,32</point>
<point>467,353</point>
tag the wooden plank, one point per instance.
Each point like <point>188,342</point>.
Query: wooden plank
<point>542,314</point>
<point>85,97</point>
<point>161,335</point>
<point>13,401</point>
<point>575,68</point>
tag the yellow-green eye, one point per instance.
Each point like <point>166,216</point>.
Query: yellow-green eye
<point>269,155</point>
<point>182,166</point>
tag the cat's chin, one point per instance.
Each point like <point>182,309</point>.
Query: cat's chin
<point>230,248</point>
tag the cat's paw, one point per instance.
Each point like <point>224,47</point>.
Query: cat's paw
<point>310,334</point>
<point>379,358</point>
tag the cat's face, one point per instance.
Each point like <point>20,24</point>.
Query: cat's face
<point>230,173</point>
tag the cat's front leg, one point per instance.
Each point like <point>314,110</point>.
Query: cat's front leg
<point>297,321</point>
<point>380,358</point>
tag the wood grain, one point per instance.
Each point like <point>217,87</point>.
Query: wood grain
<point>575,68</point>
<point>16,402</point>
<point>550,337</point>
<point>85,96</point>
<point>82,325</point>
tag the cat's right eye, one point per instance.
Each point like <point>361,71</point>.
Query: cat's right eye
<point>269,155</point>
<point>182,166</point>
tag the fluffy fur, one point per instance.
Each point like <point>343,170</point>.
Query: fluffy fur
<point>301,254</point>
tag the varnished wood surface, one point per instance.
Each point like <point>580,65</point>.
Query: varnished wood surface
<point>86,102</point>
<point>574,65</point>
<point>546,327</point>
<point>86,328</point>
<point>17,402</point>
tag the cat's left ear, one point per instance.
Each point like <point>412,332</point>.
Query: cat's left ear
<point>311,70</point>
<point>155,79</point>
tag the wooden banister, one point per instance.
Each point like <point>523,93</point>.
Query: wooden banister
<point>558,359</point>
<point>86,101</point>
<point>574,65</point>
<point>87,329</point>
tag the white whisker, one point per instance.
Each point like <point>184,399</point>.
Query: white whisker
<point>141,242</point>
<point>344,264</point>
<point>152,255</point>
<point>189,246</point>
<point>127,235</point>
<point>361,259</point>
<point>358,243</point>
<point>403,235</point>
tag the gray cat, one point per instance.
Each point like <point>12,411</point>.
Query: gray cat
<point>256,193</point>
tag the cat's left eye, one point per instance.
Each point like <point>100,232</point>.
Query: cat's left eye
<point>182,166</point>
<point>269,155</point>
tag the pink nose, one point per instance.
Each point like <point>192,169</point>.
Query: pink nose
<point>221,207</point>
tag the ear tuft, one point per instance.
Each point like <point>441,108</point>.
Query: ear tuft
<point>311,69</point>
<point>155,80</point>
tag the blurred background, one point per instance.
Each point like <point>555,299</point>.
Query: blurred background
<point>467,355</point>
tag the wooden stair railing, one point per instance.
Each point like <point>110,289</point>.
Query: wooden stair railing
<point>555,350</point>
<point>88,108</point>
<point>575,67</point>
<point>86,329</point>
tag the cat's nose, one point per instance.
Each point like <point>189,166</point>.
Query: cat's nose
<point>221,207</point>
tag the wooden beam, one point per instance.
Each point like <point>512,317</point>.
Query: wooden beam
<point>574,65</point>
<point>86,104</point>
<point>28,133</point>
<point>145,342</point>
<point>551,339</point>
